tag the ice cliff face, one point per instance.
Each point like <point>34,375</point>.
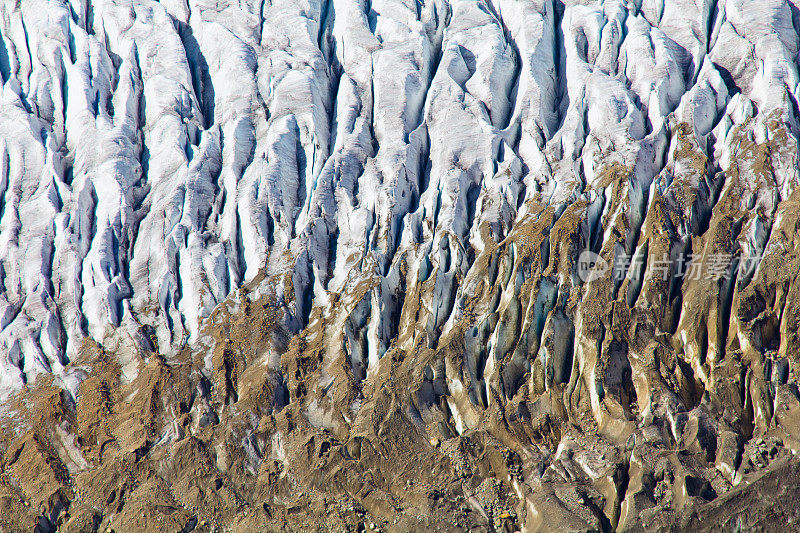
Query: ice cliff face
<point>377,208</point>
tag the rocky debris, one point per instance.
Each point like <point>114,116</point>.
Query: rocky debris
<point>398,266</point>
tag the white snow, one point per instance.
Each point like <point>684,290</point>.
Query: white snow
<point>157,155</point>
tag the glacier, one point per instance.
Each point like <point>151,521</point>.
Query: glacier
<point>158,155</point>
<point>412,177</point>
